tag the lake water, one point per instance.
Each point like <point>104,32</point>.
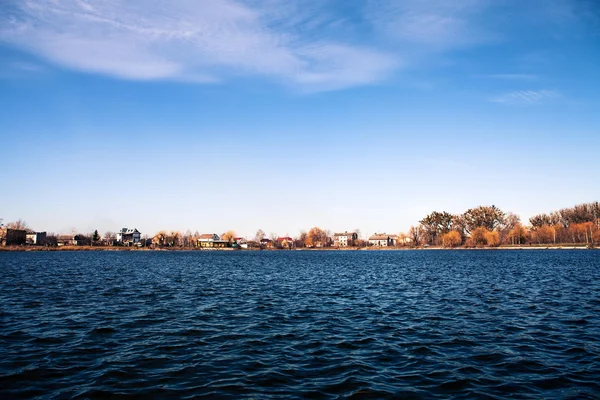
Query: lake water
<point>376,324</point>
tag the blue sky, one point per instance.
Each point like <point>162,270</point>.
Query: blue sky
<point>215,115</point>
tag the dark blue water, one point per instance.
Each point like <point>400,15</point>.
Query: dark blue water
<point>408,324</point>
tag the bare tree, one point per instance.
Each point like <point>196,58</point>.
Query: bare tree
<point>19,224</point>
<point>109,238</point>
<point>415,233</point>
<point>187,238</point>
<point>260,235</point>
<point>229,235</point>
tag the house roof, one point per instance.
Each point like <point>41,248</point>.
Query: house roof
<point>383,236</point>
<point>265,240</point>
<point>128,231</point>
<point>208,236</point>
<point>344,234</point>
<point>281,239</point>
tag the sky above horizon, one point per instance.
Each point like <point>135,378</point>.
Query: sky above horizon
<point>275,115</point>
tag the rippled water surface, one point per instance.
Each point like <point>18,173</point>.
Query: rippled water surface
<point>421,324</point>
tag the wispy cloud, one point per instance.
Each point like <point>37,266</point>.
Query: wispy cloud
<point>203,41</point>
<point>313,44</point>
<point>525,77</point>
<point>526,97</point>
<point>438,24</point>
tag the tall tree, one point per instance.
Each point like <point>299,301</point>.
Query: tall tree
<point>437,224</point>
<point>416,234</point>
<point>316,237</point>
<point>488,217</point>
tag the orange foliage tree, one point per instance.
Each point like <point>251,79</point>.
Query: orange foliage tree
<point>451,239</point>
<point>478,236</point>
<point>492,238</point>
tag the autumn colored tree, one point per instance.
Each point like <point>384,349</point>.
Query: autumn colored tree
<point>229,235</point>
<point>492,238</point>
<point>436,224</point>
<point>504,230</point>
<point>316,237</point>
<point>302,238</point>
<point>478,236</point>
<point>160,239</point>
<point>451,239</point>
<point>543,234</point>
<point>518,234</point>
<point>173,238</point>
<point>403,239</point>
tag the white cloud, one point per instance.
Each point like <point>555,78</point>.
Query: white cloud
<point>526,97</point>
<point>438,24</point>
<point>526,77</point>
<point>204,41</point>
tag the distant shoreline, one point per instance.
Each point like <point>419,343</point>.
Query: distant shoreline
<point>373,248</point>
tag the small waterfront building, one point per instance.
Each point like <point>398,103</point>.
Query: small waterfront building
<point>12,237</point>
<point>383,240</point>
<point>240,242</point>
<point>35,238</point>
<point>285,242</point>
<point>210,240</point>
<point>266,243</point>
<point>129,236</point>
<point>66,240</point>
<point>345,239</point>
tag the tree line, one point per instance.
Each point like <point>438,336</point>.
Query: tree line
<point>491,226</point>
<point>478,226</point>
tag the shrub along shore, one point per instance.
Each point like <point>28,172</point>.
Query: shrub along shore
<point>566,246</point>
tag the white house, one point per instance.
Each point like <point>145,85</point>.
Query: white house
<point>344,239</point>
<point>383,240</point>
<point>126,235</point>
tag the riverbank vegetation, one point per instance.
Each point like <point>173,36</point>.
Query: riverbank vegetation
<point>478,227</point>
<point>490,226</point>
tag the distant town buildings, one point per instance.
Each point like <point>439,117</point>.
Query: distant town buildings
<point>209,240</point>
<point>266,243</point>
<point>66,240</point>
<point>345,239</point>
<point>35,238</point>
<point>285,242</point>
<point>383,240</point>
<point>129,236</point>
<point>12,237</point>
